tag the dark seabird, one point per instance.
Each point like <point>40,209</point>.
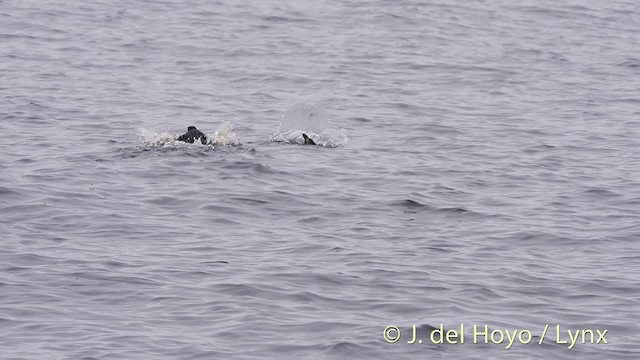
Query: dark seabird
<point>307,140</point>
<point>192,134</point>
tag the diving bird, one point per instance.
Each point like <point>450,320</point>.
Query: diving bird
<point>192,134</point>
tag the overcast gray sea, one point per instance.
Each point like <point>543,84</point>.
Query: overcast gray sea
<point>480,166</point>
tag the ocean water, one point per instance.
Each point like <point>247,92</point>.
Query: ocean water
<point>481,166</point>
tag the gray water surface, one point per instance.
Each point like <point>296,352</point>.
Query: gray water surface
<point>484,169</point>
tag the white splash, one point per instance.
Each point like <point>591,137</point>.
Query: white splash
<point>225,135</point>
<point>152,139</point>
<point>305,117</point>
<point>329,140</point>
